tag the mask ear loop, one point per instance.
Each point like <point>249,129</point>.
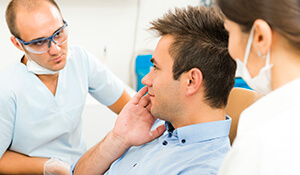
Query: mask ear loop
<point>29,58</point>
<point>268,58</point>
<point>260,55</point>
<point>248,47</point>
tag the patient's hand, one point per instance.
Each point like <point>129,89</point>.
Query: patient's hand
<point>134,123</point>
<point>132,128</point>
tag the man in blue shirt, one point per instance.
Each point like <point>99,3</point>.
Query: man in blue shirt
<point>188,88</point>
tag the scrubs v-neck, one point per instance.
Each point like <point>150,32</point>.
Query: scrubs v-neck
<point>34,122</point>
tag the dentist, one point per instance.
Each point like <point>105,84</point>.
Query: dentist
<point>264,39</point>
<point>42,96</point>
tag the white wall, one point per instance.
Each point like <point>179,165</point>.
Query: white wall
<point>95,24</point>
<point>118,25</point>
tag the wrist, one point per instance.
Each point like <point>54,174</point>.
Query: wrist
<point>115,144</point>
<point>99,158</point>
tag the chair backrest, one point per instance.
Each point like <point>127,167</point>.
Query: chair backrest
<point>239,99</point>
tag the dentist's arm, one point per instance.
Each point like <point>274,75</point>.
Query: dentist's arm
<point>120,103</point>
<point>132,128</point>
<point>16,163</point>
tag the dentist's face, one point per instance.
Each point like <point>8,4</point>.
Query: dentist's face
<point>164,91</point>
<point>40,23</point>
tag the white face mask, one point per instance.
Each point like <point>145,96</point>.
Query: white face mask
<point>262,82</point>
<point>37,69</point>
<point>32,66</point>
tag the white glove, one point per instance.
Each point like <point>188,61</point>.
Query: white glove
<point>55,166</point>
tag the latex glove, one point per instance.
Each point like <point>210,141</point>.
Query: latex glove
<point>56,167</point>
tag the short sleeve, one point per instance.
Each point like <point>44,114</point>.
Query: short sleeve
<point>7,118</point>
<point>72,168</point>
<point>104,86</point>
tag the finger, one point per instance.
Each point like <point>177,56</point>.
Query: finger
<point>144,101</point>
<point>136,98</point>
<point>157,132</point>
<point>148,107</point>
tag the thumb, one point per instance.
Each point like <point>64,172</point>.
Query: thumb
<point>157,132</point>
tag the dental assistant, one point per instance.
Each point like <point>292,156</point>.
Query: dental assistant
<point>42,96</point>
<point>264,39</point>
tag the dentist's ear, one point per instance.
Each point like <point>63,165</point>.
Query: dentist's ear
<point>15,41</point>
<point>195,78</point>
<point>262,39</point>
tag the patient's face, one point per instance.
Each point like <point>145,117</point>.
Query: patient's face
<point>164,91</point>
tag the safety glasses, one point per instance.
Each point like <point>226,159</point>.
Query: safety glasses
<point>42,45</point>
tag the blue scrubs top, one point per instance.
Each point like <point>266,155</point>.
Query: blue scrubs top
<point>36,123</point>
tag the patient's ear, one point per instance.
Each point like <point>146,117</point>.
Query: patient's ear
<point>16,43</point>
<point>194,81</point>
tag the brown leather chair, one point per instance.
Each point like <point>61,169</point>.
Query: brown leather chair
<point>239,99</point>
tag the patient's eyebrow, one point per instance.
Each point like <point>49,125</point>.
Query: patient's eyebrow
<point>153,61</point>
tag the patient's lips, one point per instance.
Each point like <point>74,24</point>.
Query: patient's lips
<point>150,94</point>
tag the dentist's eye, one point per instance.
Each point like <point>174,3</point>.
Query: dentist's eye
<point>58,35</point>
<point>40,43</point>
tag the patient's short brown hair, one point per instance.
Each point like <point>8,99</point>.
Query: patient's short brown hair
<point>200,41</point>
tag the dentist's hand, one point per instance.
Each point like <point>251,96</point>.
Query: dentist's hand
<point>133,125</point>
<point>55,166</point>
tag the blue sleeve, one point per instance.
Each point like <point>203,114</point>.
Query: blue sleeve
<point>72,168</point>
<point>7,118</point>
<point>199,170</point>
<point>104,86</point>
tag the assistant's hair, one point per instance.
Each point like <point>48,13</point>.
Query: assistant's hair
<point>282,15</point>
<point>15,5</point>
<point>200,41</point>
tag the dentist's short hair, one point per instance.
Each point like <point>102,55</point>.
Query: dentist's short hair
<point>200,41</point>
<point>15,5</point>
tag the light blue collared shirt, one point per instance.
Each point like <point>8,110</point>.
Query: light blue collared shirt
<point>194,149</point>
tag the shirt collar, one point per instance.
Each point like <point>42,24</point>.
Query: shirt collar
<point>201,132</point>
<point>169,127</point>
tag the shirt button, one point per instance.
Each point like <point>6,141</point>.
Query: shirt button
<point>183,141</point>
<point>165,143</point>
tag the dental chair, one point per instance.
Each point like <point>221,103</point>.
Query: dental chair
<point>239,99</point>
